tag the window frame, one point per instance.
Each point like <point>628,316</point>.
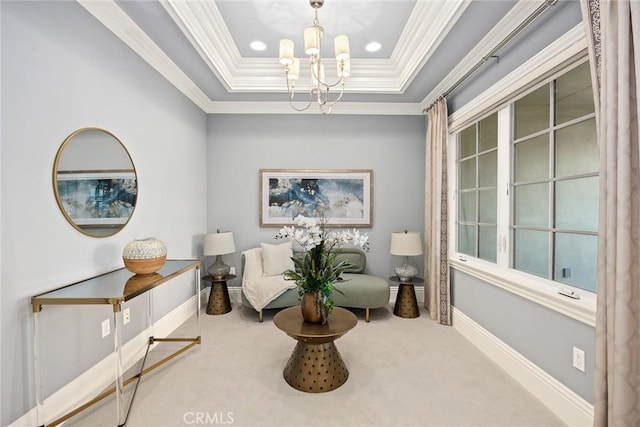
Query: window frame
<point>565,54</point>
<point>477,189</point>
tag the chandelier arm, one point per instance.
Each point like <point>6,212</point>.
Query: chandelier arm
<point>291,92</point>
<point>341,80</point>
<point>335,101</point>
<point>327,85</point>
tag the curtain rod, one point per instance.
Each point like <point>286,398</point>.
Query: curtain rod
<point>492,53</point>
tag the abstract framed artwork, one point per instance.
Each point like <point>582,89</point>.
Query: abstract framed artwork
<point>98,199</point>
<point>344,197</point>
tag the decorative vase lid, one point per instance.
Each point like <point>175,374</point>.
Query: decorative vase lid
<point>144,249</point>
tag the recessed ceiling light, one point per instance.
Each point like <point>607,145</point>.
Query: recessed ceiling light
<point>373,47</point>
<point>258,45</point>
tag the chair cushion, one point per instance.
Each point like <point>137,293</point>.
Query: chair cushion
<point>354,256</point>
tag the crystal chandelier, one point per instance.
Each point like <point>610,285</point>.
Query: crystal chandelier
<point>320,89</point>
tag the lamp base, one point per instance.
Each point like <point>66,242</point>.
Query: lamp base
<point>218,269</point>
<point>406,272</point>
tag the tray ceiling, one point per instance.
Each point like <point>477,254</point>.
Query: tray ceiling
<point>203,46</point>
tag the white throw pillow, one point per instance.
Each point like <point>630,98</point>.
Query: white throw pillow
<point>276,259</point>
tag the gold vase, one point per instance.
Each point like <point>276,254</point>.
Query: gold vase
<point>313,311</point>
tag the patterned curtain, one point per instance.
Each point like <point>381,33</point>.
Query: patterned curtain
<point>436,260</point>
<point>614,37</point>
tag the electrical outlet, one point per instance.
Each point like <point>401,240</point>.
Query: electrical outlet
<point>126,316</point>
<point>232,270</point>
<point>578,359</point>
<point>106,328</point>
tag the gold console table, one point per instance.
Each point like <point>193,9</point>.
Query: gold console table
<point>114,288</point>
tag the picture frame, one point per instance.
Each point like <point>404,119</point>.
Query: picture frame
<point>344,197</point>
<point>103,198</point>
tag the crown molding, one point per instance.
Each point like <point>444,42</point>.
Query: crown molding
<point>515,17</point>
<point>118,22</point>
<point>419,41</point>
<point>203,25</point>
<point>354,108</point>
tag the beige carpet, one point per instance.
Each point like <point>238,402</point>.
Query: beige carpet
<point>402,372</point>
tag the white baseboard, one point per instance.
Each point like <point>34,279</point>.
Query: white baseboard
<point>566,404</point>
<point>235,295</point>
<point>100,376</point>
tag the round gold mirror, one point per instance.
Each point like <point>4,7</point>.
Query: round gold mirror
<point>95,182</point>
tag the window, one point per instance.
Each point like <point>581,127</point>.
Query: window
<point>477,190</point>
<point>544,144</point>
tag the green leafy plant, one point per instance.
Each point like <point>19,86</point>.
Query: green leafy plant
<point>317,268</point>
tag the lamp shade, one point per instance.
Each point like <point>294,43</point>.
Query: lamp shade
<point>286,51</point>
<point>219,244</point>
<point>312,36</point>
<point>406,243</point>
<point>341,47</point>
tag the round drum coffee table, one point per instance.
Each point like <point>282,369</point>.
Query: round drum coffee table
<point>315,366</point>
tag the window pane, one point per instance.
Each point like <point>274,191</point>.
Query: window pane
<point>532,159</point>
<point>467,239</point>
<point>576,260</point>
<point>577,204</point>
<point>574,96</point>
<point>532,205</point>
<point>531,252</point>
<point>577,149</point>
<point>467,142</point>
<point>488,206</point>
<point>467,207</point>
<point>532,113</point>
<point>489,132</point>
<point>488,241</point>
<point>468,173</point>
<point>488,169</point>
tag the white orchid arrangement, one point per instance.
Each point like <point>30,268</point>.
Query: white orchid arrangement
<point>317,269</point>
<point>314,233</point>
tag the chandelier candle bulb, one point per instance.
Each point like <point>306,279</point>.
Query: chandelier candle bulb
<point>294,70</point>
<point>341,45</point>
<point>286,52</point>
<point>344,68</point>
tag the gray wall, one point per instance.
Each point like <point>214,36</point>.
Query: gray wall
<point>392,146</point>
<point>62,70</point>
<point>543,336</point>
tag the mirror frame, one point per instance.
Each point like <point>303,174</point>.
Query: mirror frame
<point>56,163</point>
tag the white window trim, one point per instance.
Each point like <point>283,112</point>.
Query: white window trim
<point>568,49</point>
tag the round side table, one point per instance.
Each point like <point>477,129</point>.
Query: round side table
<point>315,366</point>
<point>406,302</point>
<point>219,302</point>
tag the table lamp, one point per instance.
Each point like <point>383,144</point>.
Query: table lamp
<point>406,243</point>
<point>218,244</point>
